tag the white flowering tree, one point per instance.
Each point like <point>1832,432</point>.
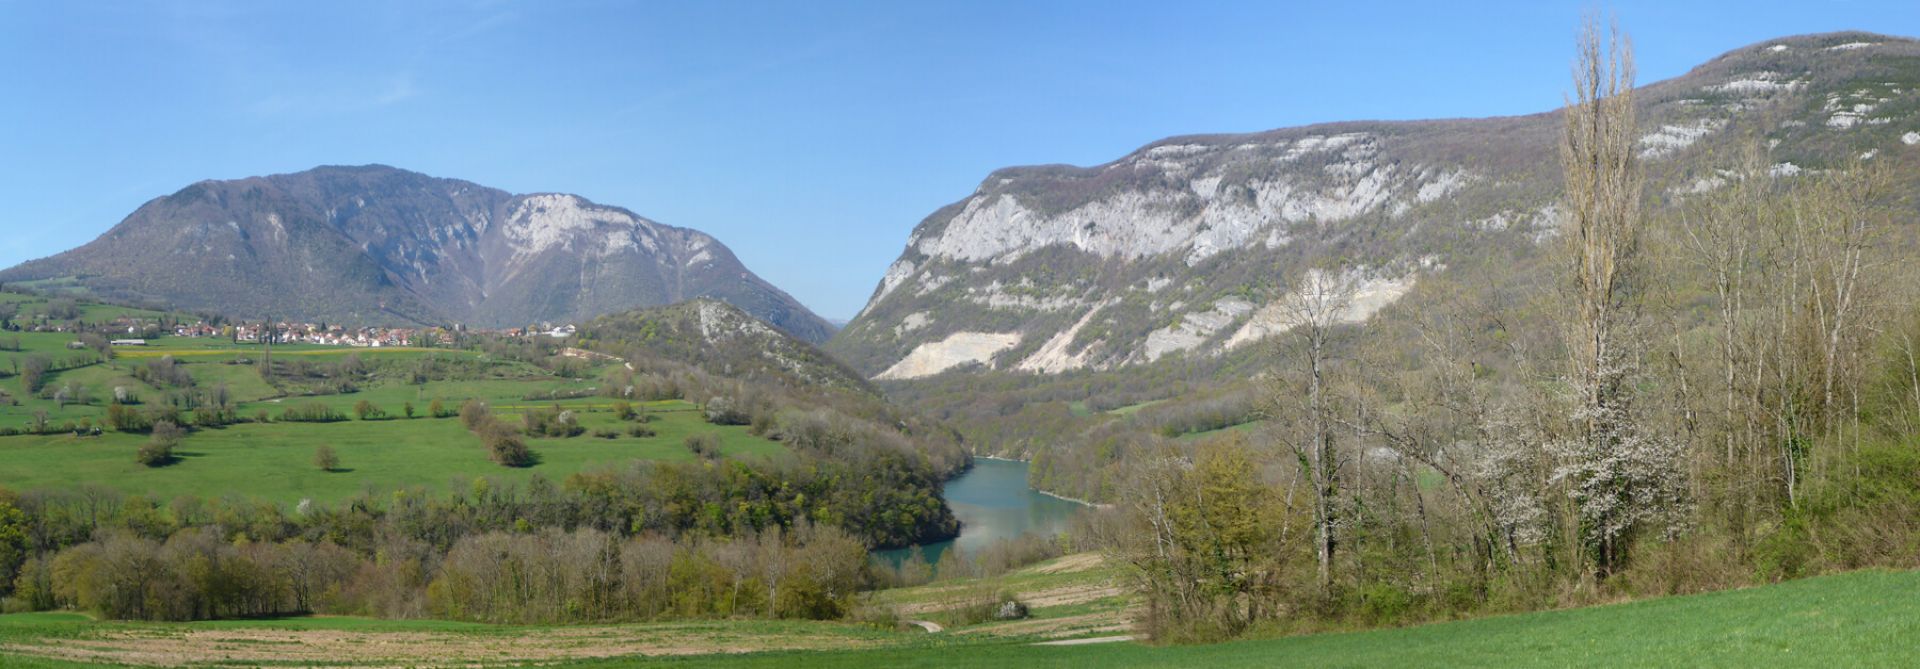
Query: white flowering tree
<point>1622,479</point>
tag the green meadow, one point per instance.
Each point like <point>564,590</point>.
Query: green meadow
<point>274,460</point>
<point>1861,619</point>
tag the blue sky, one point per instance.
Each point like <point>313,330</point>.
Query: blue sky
<point>808,136</point>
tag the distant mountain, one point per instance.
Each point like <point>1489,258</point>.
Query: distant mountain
<point>375,244</point>
<point>1186,246</point>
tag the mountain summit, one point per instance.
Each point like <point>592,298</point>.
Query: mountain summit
<point>1189,245</point>
<point>380,244</point>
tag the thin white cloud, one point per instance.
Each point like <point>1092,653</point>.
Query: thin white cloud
<point>345,98</point>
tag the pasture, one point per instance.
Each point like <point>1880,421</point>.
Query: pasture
<point>273,460</point>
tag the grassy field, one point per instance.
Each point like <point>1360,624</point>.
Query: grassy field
<point>273,460</point>
<point>1197,436</point>
<point>1864,619</point>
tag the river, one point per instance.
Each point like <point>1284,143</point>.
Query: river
<point>993,502</point>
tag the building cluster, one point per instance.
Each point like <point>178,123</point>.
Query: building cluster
<point>125,330</point>
<point>371,337</point>
<point>326,335</point>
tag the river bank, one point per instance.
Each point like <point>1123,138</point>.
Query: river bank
<point>994,502</point>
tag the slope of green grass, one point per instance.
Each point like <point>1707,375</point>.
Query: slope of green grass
<point>273,461</point>
<point>1131,409</point>
<point>1864,619</point>
<point>1197,436</point>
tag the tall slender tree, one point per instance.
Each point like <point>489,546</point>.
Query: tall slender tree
<point>1621,478</point>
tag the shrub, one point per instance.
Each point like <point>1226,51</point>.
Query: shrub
<point>622,410</point>
<point>311,412</point>
<point>365,410</point>
<point>158,451</point>
<point>212,416</point>
<point>474,414</point>
<point>325,459</point>
<point>725,411</point>
<point>554,422</point>
<point>506,448</point>
<point>33,372</point>
<point>605,433</point>
<point>982,606</point>
<point>126,419</point>
<point>705,446</point>
<point>639,430</point>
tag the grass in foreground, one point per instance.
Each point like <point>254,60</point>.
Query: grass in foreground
<point>1864,619</point>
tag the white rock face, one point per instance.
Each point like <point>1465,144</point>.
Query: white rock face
<point>899,271</point>
<point>546,221</point>
<point>549,221</point>
<point>957,349</point>
<point>717,324</point>
<point>1910,138</point>
<point>1671,138</point>
<point>1370,294</point>
<point>1757,83</point>
<point>1194,329</point>
<point>1137,223</point>
<point>1443,186</point>
<point>1703,185</point>
<point>1053,356</point>
<point>913,321</point>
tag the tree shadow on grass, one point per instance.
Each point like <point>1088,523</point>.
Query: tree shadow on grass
<point>172,459</point>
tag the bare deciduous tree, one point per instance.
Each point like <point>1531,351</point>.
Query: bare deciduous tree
<point>1621,477</point>
<point>1302,399</point>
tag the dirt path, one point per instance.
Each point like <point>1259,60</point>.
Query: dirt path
<point>186,646</point>
<point>1083,642</point>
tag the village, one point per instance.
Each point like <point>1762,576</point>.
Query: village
<point>368,337</point>
<point>136,329</point>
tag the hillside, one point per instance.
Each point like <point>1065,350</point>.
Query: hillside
<point>722,339</point>
<point>640,397</point>
<point>1187,246</point>
<point>375,244</point>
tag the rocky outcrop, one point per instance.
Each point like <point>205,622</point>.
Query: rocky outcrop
<point>379,244</point>
<point>1192,246</point>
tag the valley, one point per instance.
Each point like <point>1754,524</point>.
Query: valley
<point>1634,381</point>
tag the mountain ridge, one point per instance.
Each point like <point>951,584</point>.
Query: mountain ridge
<point>378,243</point>
<point>1186,245</point>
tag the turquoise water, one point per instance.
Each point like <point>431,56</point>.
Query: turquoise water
<point>993,502</point>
